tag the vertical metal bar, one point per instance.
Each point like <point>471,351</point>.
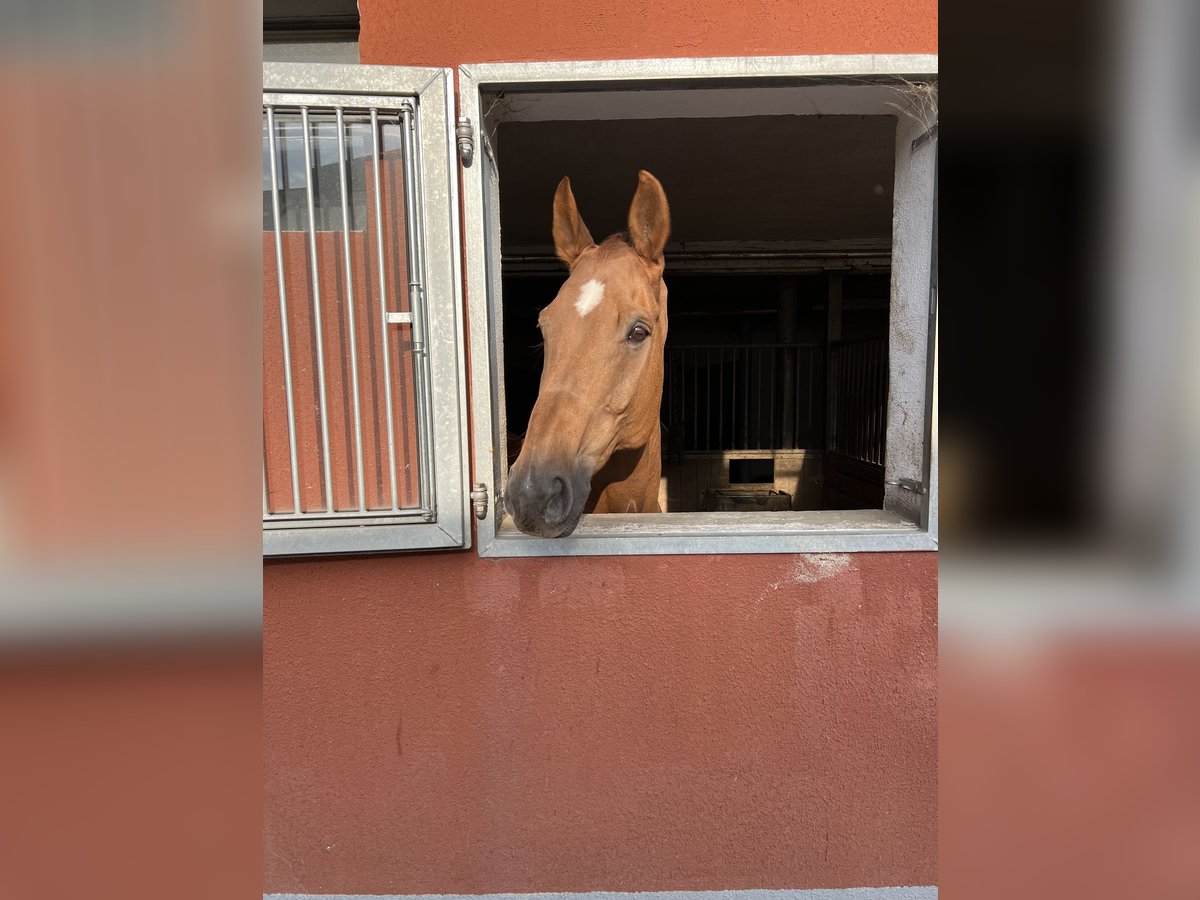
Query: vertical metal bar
<point>746,402</point>
<point>834,359</point>
<point>283,316</point>
<point>847,409</point>
<point>866,401</point>
<point>843,400</point>
<point>345,183</point>
<point>708,398</point>
<point>734,398</point>
<point>883,400</point>
<point>871,411</point>
<point>285,206</point>
<point>872,378</point>
<point>764,399</point>
<point>695,399</point>
<point>875,402</point>
<point>266,496</point>
<point>751,399</point>
<point>865,391</point>
<point>721,398</point>
<point>414,234</point>
<point>831,412</point>
<point>845,421</point>
<point>790,382</point>
<point>796,394</point>
<point>316,291</point>
<point>415,238</point>
<point>383,307</point>
<point>862,416</point>
<point>860,419</point>
<point>862,428</point>
<point>751,419</point>
<point>758,397</point>
<point>843,393</point>
<point>772,369</point>
<point>810,386</point>
<point>848,400</point>
<point>883,394</point>
<point>853,396</point>
<point>732,443</point>
<point>768,378</point>
<point>856,392</point>
<point>870,404</point>
<point>746,388</point>
<point>880,401</point>
<point>832,377</point>
<point>411,161</point>
<point>830,397</point>
<point>791,363</point>
<point>669,366</point>
<point>852,420</point>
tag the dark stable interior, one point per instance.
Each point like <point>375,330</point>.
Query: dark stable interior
<point>770,401</point>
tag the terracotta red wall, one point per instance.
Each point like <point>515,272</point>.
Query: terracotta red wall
<point>442,723</point>
<point>449,33</point>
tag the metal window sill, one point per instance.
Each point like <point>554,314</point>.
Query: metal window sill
<point>352,538</point>
<point>818,531</point>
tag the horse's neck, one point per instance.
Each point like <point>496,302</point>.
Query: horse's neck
<point>629,480</point>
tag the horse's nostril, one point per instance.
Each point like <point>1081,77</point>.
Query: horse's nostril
<point>558,502</point>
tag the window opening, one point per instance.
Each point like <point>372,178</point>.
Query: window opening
<point>778,278</point>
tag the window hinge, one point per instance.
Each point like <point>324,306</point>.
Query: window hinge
<point>479,500</point>
<point>466,142</point>
<point>908,484</point>
<point>923,138</point>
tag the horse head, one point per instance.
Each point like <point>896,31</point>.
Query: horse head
<point>593,438</point>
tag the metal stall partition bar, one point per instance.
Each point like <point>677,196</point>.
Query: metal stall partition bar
<point>346,417</point>
<point>858,370</point>
<point>731,397</point>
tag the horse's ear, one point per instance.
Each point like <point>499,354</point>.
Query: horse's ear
<point>571,236</point>
<point>649,218</point>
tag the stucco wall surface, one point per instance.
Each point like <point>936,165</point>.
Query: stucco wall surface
<point>420,33</point>
<point>441,723</point>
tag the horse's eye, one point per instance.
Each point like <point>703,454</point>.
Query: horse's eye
<point>638,334</point>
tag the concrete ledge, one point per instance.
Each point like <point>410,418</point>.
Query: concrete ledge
<point>924,892</point>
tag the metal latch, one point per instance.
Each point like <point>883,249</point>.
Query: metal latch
<point>479,500</point>
<point>466,143</point>
<point>908,484</point>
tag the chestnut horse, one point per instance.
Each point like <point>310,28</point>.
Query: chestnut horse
<point>593,439</point>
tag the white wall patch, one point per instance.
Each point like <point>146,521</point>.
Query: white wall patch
<point>590,296</point>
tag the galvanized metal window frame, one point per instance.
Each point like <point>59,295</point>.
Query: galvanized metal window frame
<point>423,97</point>
<point>909,519</point>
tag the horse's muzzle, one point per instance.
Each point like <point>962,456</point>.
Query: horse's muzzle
<point>546,501</point>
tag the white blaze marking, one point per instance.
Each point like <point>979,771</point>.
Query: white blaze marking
<point>590,296</point>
